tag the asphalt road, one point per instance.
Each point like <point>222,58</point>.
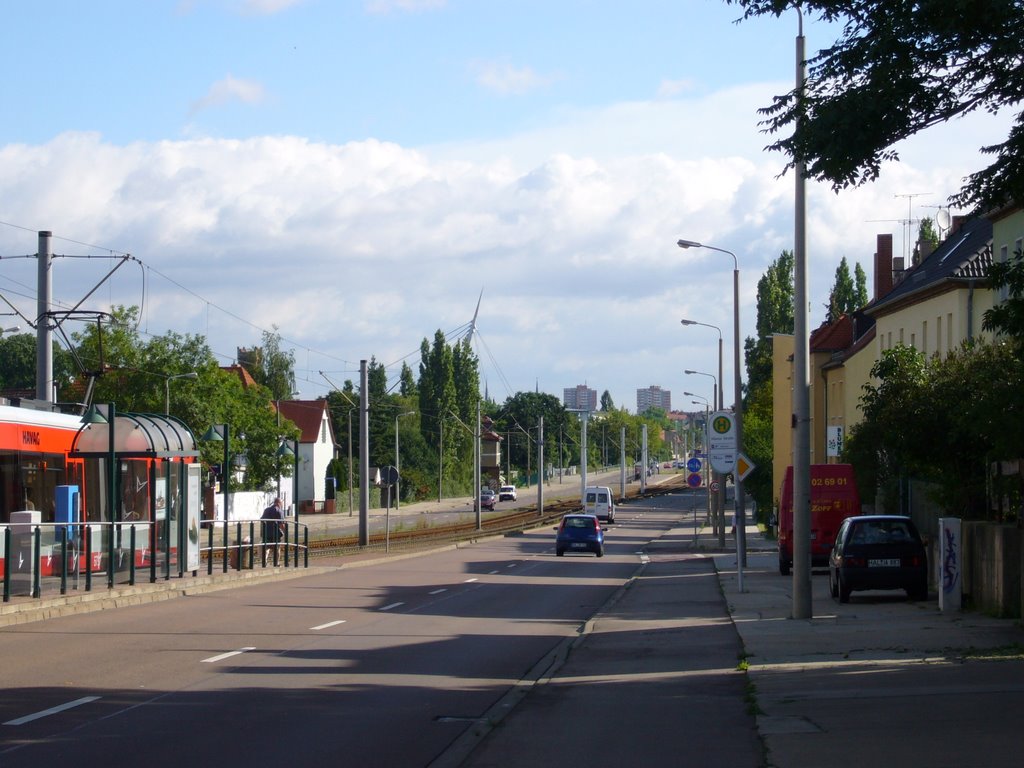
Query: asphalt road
<point>384,665</point>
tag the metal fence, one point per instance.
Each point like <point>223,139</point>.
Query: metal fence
<point>48,558</point>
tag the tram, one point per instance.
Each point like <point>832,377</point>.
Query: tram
<point>52,461</point>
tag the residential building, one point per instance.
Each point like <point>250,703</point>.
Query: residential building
<point>653,397</point>
<point>580,398</point>
<point>934,306</point>
<point>316,449</point>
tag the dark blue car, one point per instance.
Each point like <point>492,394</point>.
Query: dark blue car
<point>579,533</point>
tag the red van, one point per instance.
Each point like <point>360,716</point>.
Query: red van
<point>834,498</point>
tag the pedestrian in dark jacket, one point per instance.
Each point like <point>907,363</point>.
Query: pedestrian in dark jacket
<point>272,521</point>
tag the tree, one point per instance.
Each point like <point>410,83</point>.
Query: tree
<point>1007,317</point>
<point>861,280</point>
<point>842,299</point>
<point>606,401</point>
<point>18,364</point>
<point>897,69</point>
<point>271,366</point>
<point>774,315</point>
<point>927,239</point>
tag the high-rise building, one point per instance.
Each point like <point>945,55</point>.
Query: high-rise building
<point>580,397</point>
<point>653,397</point>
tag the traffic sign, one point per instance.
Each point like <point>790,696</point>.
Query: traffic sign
<point>715,486</point>
<point>722,441</point>
<point>693,465</point>
<point>744,466</point>
<point>694,480</point>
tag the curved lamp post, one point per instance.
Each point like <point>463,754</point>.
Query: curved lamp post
<point>741,536</point>
<point>167,387</point>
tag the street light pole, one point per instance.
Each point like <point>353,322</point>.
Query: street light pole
<point>398,460</point>
<point>741,533</point>
<point>167,388</point>
<point>719,517</point>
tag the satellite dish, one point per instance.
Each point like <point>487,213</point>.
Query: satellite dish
<point>942,219</point>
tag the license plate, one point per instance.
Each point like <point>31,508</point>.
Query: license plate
<point>886,563</point>
<point>578,545</point>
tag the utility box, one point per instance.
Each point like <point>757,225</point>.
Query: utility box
<point>66,512</point>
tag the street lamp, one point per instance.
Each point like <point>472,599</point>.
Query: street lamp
<point>708,325</point>
<point>12,329</point>
<point>706,417</point>
<point>167,388</point>
<point>741,534</point>
<point>222,433</point>
<point>398,459</point>
<point>717,390</point>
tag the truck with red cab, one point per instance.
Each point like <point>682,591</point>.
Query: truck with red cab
<point>834,498</point>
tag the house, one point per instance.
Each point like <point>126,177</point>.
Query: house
<point>933,306</point>
<point>317,448</point>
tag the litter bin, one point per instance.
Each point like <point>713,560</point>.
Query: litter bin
<point>237,551</point>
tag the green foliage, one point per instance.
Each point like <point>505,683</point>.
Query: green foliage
<point>774,315</point>
<point>1007,317</point>
<point>842,299</point>
<point>946,421</point>
<point>607,404</point>
<point>899,68</point>
<point>18,364</point>
<point>271,366</point>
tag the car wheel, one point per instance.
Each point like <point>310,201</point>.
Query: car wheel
<point>784,566</point>
<point>599,551</point>
<point>844,590</point>
<point>559,552</point>
<point>832,588</point>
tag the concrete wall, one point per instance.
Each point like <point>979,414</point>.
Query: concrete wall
<point>993,568</point>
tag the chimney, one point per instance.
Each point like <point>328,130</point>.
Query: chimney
<point>883,265</point>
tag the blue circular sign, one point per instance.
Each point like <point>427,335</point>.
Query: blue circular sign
<point>693,464</point>
<point>694,480</point>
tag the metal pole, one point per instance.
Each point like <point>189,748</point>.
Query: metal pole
<point>622,462</point>
<point>44,345</point>
<point>364,456</point>
<point>476,468</point>
<point>802,608</point>
<point>540,465</point>
<point>351,502</point>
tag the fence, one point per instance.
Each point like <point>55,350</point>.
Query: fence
<point>40,558</point>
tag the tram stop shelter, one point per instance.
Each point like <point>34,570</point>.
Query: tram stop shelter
<point>141,494</point>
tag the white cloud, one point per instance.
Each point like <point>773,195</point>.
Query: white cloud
<point>668,89</point>
<point>229,89</point>
<point>503,78</point>
<point>363,249</point>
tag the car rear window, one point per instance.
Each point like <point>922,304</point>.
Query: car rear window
<point>590,497</point>
<point>579,522</point>
<point>881,532</point>
<point>602,497</point>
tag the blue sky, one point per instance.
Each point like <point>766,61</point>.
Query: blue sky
<point>354,174</point>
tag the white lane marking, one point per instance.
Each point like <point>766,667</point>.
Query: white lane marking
<point>329,624</point>
<point>644,558</point>
<point>389,607</point>
<point>52,710</point>
<point>227,655</point>
<point>511,565</point>
<point>491,573</point>
<point>470,581</point>
<point>438,591</point>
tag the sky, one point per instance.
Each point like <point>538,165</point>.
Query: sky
<point>356,175</point>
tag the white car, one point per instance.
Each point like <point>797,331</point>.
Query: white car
<point>507,493</point>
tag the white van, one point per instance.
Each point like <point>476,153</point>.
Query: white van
<point>597,500</point>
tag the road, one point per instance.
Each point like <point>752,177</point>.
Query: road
<point>384,665</point>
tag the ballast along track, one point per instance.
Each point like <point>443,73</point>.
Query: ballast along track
<point>491,525</point>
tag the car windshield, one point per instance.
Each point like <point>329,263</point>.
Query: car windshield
<point>881,532</point>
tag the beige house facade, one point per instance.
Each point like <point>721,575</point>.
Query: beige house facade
<point>934,306</point>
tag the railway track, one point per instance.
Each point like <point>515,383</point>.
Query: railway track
<point>495,525</point>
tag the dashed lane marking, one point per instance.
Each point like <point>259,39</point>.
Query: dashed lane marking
<point>389,607</point>
<point>329,624</point>
<point>228,655</point>
<point>438,591</point>
<point>52,710</point>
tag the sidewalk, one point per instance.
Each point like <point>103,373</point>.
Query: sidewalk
<point>682,668</point>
